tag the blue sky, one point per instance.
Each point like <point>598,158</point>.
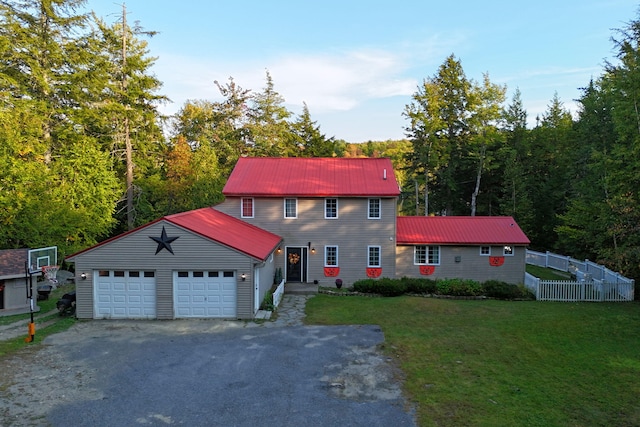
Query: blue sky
<point>357,63</point>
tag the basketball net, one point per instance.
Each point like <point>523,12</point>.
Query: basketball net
<point>50,272</point>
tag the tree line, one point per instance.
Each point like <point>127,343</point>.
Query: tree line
<point>85,153</point>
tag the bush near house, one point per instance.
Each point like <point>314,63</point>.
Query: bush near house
<point>454,287</point>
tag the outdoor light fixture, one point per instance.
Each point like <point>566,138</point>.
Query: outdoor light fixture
<point>313,250</point>
<point>243,277</point>
<point>279,250</point>
<point>83,276</point>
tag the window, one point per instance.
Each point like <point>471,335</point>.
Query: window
<point>134,274</point>
<point>330,256</point>
<point>374,256</point>
<point>508,250</point>
<point>228,274</point>
<point>290,208</point>
<point>213,274</point>
<point>426,255</point>
<point>485,250</point>
<point>374,209</point>
<point>247,207</point>
<point>331,208</point>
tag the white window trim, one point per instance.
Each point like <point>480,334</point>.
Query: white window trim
<point>504,250</point>
<point>379,208</point>
<point>337,255</point>
<point>485,246</point>
<point>325,208</point>
<point>253,207</point>
<point>284,208</point>
<point>415,248</point>
<point>369,256</point>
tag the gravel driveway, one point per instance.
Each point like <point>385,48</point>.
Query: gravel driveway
<point>203,373</point>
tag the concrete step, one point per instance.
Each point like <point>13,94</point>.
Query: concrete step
<point>300,288</point>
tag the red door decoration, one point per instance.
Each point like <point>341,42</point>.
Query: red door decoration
<point>374,272</point>
<point>427,270</point>
<point>331,271</point>
<point>496,261</point>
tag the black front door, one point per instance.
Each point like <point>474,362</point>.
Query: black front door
<point>296,264</point>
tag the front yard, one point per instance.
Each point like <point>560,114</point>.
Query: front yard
<point>501,363</point>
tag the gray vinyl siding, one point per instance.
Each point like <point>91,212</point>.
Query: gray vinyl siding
<point>15,293</point>
<point>352,232</point>
<point>136,251</point>
<point>471,265</point>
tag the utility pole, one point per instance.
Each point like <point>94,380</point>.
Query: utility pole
<point>127,138</point>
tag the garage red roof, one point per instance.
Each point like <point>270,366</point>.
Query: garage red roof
<point>217,226</point>
<point>312,177</point>
<point>229,231</point>
<point>459,230</point>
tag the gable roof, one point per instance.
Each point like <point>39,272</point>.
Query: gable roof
<point>459,230</point>
<point>218,227</point>
<point>12,262</point>
<point>229,231</point>
<point>312,177</point>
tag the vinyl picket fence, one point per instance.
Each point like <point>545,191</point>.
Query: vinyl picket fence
<point>589,281</point>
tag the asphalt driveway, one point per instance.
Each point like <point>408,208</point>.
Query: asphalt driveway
<point>208,373</point>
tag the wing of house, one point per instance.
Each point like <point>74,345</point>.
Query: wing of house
<point>478,247</point>
<point>200,263</point>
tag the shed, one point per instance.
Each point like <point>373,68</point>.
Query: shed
<point>13,283</point>
<point>196,264</point>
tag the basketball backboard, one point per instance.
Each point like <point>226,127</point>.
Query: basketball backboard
<point>39,258</point>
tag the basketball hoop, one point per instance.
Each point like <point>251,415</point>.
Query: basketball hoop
<point>50,272</point>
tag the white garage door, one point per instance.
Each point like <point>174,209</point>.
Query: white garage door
<point>125,294</point>
<point>204,294</point>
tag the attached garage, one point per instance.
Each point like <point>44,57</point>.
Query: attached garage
<point>205,294</point>
<point>197,264</point>
<point>121,294</point>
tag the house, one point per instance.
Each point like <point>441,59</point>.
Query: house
<point>201,263</point>
<point>471,247</point>
<point>316,219</point>
<point>14,282</point>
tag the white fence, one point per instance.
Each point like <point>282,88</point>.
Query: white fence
<point>589,281</point>
<point>277,294</point>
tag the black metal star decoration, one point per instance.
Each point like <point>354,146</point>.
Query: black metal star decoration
<point>164,241</point>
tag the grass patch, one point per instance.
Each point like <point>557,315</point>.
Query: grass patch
<point>494,362</point>
<point>547,273</point>
<point>46,324</point>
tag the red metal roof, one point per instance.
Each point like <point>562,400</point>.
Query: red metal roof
<point>312,177</point>
<point>217,226</point>
<point>459,230</point>
<point>229,231</point>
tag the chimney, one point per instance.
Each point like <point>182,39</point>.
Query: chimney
<point>384,174</point>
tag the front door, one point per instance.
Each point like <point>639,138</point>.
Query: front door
<point>296,264</point>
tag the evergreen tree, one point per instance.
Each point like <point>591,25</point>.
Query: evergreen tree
<point>310,141</point>
<point>269,130</point>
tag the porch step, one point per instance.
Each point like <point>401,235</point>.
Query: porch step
<point>300,288</point>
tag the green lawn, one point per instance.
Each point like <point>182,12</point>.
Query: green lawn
<point>500,363</point>
<point>46,324</point>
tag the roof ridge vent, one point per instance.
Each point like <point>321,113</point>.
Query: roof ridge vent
<point>384,173</point>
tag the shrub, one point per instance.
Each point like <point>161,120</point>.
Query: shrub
<point>458,287</point>
<point>416,285</point>
<point>386,287</point>
<point>504,290</point>
<point>267,302</point>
